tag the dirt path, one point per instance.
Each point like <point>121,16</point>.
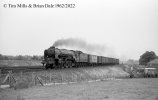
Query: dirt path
<point>126,89</point>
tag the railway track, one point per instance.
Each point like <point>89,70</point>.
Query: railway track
<point>22,67</point>
<point>28,69</point>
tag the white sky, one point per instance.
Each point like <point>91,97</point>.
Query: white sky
<point>129,27</point>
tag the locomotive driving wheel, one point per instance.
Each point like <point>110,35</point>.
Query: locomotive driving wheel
<point>69,64</point>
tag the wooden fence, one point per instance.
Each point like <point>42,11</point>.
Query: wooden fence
<point>10,80</point>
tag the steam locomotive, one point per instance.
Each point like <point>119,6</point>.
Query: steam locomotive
<point>63,58</point>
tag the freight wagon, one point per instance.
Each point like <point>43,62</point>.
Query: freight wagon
<point>99,60</point>
<point>81,59</point>
<point>92,60</point>
<point>63,58</point>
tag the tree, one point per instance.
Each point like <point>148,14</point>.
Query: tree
<point>19,57</point>
<point>147,57</point>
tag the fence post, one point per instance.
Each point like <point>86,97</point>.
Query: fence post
<point>54,79</point>
<point>50,77</point>
<point>33,78</point>
<point>39,79</point>
<point>61,78</point>
<point>10,79</point>
<point>72,78</point>
<point>0,72</point>
<point>107,76</point>
<point>45,77</point>
<point>10,82</point>
<point>68,80</point>
<point>80,78</point>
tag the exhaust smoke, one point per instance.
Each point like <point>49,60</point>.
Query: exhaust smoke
<point>82,45</point>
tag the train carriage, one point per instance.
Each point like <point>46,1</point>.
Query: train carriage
<point>82,59</point>
<point>99,60</point>
<point>92,60</point>
<point>103,60</point>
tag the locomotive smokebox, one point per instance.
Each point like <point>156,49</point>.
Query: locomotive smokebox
<point>52,47</point>
<point>49,52</point>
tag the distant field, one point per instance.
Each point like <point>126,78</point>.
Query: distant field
<point>16,63</point>
<point>125,89</point>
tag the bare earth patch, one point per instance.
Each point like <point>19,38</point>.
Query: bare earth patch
<point>125,89</point>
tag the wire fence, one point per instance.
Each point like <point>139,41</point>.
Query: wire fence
<point>28,79</point>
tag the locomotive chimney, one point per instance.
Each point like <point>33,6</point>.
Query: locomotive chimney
<point>52,47</point>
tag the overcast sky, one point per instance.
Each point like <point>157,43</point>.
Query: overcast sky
<point>127,27</point>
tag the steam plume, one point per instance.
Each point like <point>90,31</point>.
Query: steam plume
<point>79,44</point>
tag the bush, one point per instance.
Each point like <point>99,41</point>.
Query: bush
<point>147,57</point>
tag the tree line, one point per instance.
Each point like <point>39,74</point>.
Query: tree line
<point>20,57</point>
<point>147,57</point>
<point>144,58</point>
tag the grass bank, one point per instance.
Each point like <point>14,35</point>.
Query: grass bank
<point>28,79</point>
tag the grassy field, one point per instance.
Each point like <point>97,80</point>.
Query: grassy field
<point>125,89</point>
<point>122,89</point>
<point>16,63</point>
